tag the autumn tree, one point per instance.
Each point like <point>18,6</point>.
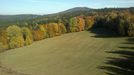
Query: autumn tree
<point>121,27</point>
<point>81,23</point>
<point>131,29</point>
<point>124,23</point>
<point>62,28</point>
<point>56,29</point>
<point>3,36</point>
<point>37,35</point>
<point>131,26</point>
<point>15,36</point>
<point>50,30</point>
<point>44,30</point>
<point>47,30</point>
<point>3,40</point>
<point>89,22</point>
<point>27,35</point>
<point>74,24</point>
<point>53,29</point>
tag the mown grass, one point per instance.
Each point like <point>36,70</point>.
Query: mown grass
<point>78,53</point>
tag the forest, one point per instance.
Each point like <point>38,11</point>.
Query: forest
<point>121,21</point>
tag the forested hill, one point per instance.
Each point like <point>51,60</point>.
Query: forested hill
<point>11,19</point>
<point>6,20</point>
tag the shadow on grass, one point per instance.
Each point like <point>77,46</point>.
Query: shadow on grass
<point>124,64</point>
<point>104,33</point>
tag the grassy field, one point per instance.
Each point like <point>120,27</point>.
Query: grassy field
<point>80,53</point>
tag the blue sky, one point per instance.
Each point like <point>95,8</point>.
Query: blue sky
<point>12,7</point>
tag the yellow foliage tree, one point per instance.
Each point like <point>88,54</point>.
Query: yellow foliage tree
<point>15,36</point>
<point>52,29</point>
<point>62,28</point>
<point>27,35</point>
<point>89,21</point>
<point>3,40</point>
<point>56,29</point>
<point>43,29</point>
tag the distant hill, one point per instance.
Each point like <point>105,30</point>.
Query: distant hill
<point>7,19</point>
<point>65,14</point>
<point>72,11</point>
<point>76,9</point>
<point>13,19</point>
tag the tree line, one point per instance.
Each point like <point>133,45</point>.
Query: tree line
<point>119,22</point>
<point>15,36</point>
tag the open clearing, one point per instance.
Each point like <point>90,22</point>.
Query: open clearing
<point>77,53</point>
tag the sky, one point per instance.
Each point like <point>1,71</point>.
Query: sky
<point>41,7</point>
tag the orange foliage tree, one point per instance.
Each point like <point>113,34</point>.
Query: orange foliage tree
<point>77,24</point>
<point>37,35</point>
<point>81,23</point>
